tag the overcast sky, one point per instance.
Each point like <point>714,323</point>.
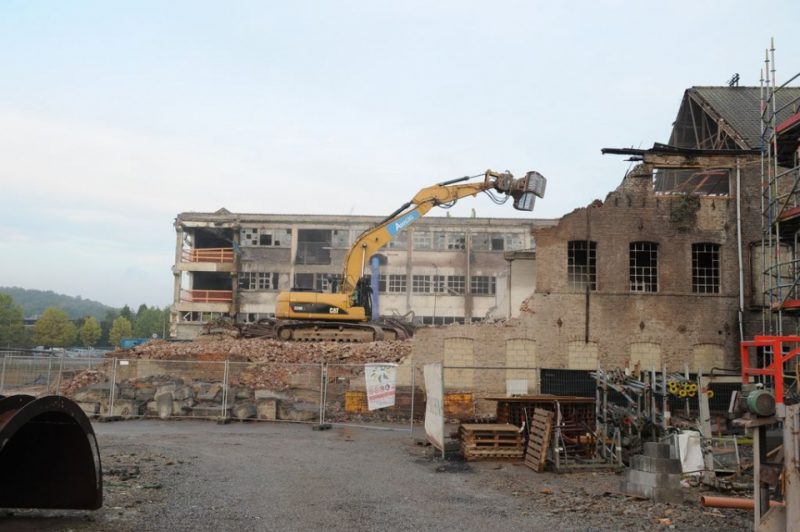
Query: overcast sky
<point>116,116</point>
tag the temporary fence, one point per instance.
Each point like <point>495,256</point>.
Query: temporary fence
<point>268,391</point>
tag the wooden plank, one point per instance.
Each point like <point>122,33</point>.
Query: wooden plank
<point>539,440</point>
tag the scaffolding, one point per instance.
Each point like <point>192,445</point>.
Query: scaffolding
<point>780,200</point>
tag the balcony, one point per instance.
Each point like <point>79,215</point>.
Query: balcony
<point>216,255</point>
<point>207,296</point>
<point>207,260</point>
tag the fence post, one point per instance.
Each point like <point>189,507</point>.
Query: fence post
<point>413,393</point>
<point>49,368</point>
<point>58,380</point>
<point>322,392</point>
<point>111,388</point>
<point>3,373</point>
<point>224,416</point>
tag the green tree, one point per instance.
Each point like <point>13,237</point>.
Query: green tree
<point>90,332</point>
<point>12,328</point>
<point>111,315</point>
<point>54,328</point>
<point>149,321</point>
<point>121,328</point>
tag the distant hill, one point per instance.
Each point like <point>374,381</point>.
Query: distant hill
<point>33,303</point>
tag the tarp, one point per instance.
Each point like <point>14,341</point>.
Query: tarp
<point>434,405</point>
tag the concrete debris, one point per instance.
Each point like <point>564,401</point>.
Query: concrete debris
<point>220,348</point>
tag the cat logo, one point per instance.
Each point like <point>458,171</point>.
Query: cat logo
<point>334,310</point>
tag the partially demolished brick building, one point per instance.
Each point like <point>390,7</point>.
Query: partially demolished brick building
<point>666,270</point>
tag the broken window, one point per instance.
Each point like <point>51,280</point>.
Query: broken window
<point>381,282</point>
<point>397,283</point>
<point>705,268</point>
<point>644,266</point>
<point>582,264</point>
<point>514,241</point>
<point>304,281</point>
<point>488,242</point>
<point>258,281</point>
<point>483,285</point>
<point>327,282</point>
<point>421,284</point>
<point>340,238</point>
<point>455,241</point>
<point>455,284</point>
<point>254,236</point>
<point>704,182</point>
<point>314,246</point>
<point>439,240</point>
<point>421,240</point>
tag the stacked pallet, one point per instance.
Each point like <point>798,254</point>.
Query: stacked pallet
<point>491,441</point>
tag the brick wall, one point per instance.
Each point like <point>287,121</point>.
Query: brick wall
<point>673,326</point>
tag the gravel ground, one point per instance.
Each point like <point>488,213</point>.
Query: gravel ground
<point>195,475</point>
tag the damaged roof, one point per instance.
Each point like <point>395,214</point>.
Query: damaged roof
<point>740,108</point>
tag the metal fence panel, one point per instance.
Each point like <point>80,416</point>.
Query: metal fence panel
<point>275,392</point>
<point>471,393</point>
<point>345,397</point>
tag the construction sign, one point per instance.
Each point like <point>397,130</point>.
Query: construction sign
<point>381,380</point>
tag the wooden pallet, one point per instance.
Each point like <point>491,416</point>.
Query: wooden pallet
<point>491,441</point>
<point>539,439</point>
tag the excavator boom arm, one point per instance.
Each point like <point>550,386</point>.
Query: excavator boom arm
<point>373,239</point>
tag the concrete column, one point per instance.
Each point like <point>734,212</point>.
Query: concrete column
<point>467,276</point>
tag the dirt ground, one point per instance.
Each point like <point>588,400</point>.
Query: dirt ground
<point>195,475</point>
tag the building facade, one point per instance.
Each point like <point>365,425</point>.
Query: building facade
<point>439,271</point>
<point>667,270</point>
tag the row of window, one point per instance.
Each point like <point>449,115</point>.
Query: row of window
<point>438,284</point>
<point>392,283</point>
<point>643,266</point>
<point>422,240</point>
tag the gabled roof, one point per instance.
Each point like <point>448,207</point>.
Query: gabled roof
<point>739,108</point>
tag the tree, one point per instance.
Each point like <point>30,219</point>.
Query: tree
<point>127,313</point>
<point>12,328</point>
<point>54,328</point>
<point>90,332</point>
<point>121,328</point>
<point>149,321</point>
<point>111,315</point>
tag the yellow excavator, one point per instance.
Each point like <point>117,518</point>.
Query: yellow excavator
<point>344,313</point>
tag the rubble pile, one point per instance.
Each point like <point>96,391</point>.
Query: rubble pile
<point>220,348</point>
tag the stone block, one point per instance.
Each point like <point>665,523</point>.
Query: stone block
<point>126,408</point>
<point>298,411</point>
<point>655,480</point>
<point>95,393</point>
<point>182,408</point>
<point>655,465</point>
<point>164,402</point>
<point>151,408</point>
<point>127,391</point>
<point>243,411</point>
<point>269,394</point>
<point>207,410</point>
<point>244,393</point>
<point>166,388</point>
<point>209,392</point>
<point>145,393</point>
<point>267,409</point>
<point>657,450</point>
<point>183,392</point>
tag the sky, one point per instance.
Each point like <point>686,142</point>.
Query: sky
<point>116,116</point>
